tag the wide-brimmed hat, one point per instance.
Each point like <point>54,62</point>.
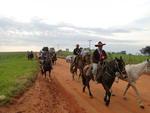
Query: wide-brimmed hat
<point>99,44</point>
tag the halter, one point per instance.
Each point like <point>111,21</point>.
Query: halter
<point>116,62</point>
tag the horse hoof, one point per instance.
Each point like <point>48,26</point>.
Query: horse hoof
<point>107,103</point>
<point>142,106</point>
<point>105,99</point>
<point>91,96</point>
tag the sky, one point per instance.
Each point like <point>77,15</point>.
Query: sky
<point>31,24</point>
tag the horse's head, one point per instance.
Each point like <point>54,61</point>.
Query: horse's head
<point>120,67</point>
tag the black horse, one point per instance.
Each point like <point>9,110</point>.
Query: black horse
<point>30,55</point>
<point>105,75</point>
<point>54,58</point>
<point>46,65</point>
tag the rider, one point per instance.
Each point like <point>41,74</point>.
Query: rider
<point>76,52</point>
<point>99,55</point>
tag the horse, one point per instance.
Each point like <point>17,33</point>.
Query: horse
<point>69,59</point>
<point>45,63</point>
<point>134,71</point>
<point>79,62</point>
<point>105,76</point>
<point>30,55</point>
<point>54,58</point>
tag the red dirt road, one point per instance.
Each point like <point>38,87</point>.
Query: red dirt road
<point>63,95</point>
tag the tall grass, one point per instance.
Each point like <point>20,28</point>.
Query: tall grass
<point>16,73</point>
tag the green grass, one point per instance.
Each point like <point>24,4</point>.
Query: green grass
<point>129,59</point>
<point>63,54</point>
<point>16,73</point>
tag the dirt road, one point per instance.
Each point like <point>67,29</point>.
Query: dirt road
<point>63,95</point>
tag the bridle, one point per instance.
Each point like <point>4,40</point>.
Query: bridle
<point>117,66</point>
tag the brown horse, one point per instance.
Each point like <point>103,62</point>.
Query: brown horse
<point>79,63</point>
<point>54,58</point>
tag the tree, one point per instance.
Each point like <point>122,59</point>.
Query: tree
<point>146,50</point>
<point>123,52</point>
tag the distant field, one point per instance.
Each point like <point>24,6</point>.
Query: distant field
<point>16,72</point>
<point>129,59</point>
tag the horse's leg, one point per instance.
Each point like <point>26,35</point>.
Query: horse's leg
<point>80,74</point>
<point>105,97</point>
<point>108,93</point>
<point>84,88</point>
<point>113,94</point>
<point>50,74</point>
<point>128,86</point>
<point>88,85</point>
<point>73,76</point>
<point>45,73</point>
<point>140,102</point>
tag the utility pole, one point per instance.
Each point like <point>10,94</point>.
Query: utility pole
<point>58,46</point>
<point>90,44</point>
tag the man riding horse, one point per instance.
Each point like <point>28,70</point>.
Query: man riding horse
<point>76,53</point>
<point>45,60</point>
<point>99,56</point>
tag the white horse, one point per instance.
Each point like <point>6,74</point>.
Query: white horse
<point>70,58</point>
<point>134,71</point>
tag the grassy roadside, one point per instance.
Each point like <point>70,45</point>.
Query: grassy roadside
<point>16,73</point>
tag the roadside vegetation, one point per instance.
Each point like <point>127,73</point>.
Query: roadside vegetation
<point>16,74</point>
<point>129,59</point>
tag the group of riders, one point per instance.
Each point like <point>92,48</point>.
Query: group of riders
<point>48,53</point>
<point>99,56</point>
<point>47,59</point>
<point>97,68</point>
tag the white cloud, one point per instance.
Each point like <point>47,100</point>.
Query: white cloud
<point>119,23</point>
<point>84,13</point>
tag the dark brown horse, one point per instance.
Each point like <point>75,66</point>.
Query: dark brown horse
<point>54,58</point>
<point>45,63</point>
<point>79,63</point>
<point>105,75</point>
<point>46,66</point>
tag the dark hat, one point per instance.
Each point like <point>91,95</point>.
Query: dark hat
<point>99,44</point>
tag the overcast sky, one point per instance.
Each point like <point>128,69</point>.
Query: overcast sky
<point>32,24</point>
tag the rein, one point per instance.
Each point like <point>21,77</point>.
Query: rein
<point>111,71</point>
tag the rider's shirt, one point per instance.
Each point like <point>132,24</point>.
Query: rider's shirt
<point>76,51</point>
<point>99,56</point>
